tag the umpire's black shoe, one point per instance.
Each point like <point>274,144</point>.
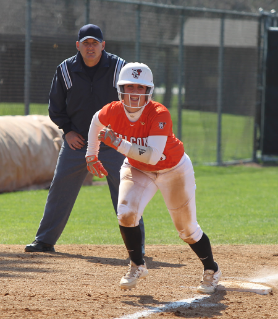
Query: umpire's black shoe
<point>39,246</point>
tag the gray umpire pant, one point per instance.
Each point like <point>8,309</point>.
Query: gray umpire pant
<point>70,172</point>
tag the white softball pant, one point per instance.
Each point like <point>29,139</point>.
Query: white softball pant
<point>177,186</point>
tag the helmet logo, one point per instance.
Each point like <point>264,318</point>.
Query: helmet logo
<point>136,73</point>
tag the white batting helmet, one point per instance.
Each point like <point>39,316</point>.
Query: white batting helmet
<point>136,73</point>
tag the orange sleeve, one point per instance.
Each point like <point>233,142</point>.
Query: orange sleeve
<point>103,115</point>
<point>162,124</point>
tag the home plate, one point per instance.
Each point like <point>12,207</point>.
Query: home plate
<point>244,287</point>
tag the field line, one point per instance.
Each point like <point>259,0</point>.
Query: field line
<point>169,306</point>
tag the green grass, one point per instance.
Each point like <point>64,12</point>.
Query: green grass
<point>242,202</point>
<point>199,131</point>
<point>235,205</point>
<point>19,109</point>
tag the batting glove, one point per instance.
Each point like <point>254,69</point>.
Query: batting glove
<point>108,137</point>
<point>95,167</point>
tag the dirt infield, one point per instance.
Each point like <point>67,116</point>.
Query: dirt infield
<point>83,282</point>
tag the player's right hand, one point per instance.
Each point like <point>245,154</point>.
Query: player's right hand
<point>95,167</point>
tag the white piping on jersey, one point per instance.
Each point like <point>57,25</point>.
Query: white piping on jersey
<point>120,63</point>
<point>65,74</point>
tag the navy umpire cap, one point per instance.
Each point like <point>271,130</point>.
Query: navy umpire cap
<point>90,31</point>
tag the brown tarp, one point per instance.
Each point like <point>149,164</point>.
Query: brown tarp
<point>29,147</point>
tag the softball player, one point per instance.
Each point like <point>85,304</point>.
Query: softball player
<point>141,129</point>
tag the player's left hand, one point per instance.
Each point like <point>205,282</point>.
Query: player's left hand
<point>108,137</point>
<point>95,167</point>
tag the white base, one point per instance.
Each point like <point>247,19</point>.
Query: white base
<point>244,287</point>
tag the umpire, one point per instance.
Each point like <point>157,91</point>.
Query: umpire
<point>81,86</point>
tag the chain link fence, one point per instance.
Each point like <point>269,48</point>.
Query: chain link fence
<point>206,63</point>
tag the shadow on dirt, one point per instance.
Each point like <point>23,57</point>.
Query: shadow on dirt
<point>29,262</point>
<point>22,263</point>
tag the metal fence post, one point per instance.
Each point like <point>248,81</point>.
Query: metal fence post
<point>27,67</point>
<point>219,91</point>
<point>87,11</point>
<point>266,25</point>
<point>180,77</point>
<point>138,34</point>
<point>258,105</point>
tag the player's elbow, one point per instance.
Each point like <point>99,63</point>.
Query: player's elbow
<point>155,157</point>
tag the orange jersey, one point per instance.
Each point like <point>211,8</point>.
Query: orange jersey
<point>155,120</point>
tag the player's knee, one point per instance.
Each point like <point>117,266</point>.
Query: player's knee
<point>126,216</point>
<point>191,237</point>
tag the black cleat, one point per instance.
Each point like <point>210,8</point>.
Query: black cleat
<point>39,246</point>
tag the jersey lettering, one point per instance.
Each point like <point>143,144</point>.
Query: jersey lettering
<point>145,141</point>
<point>139,140</point>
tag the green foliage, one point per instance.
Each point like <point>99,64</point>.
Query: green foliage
<point>235,205</point>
